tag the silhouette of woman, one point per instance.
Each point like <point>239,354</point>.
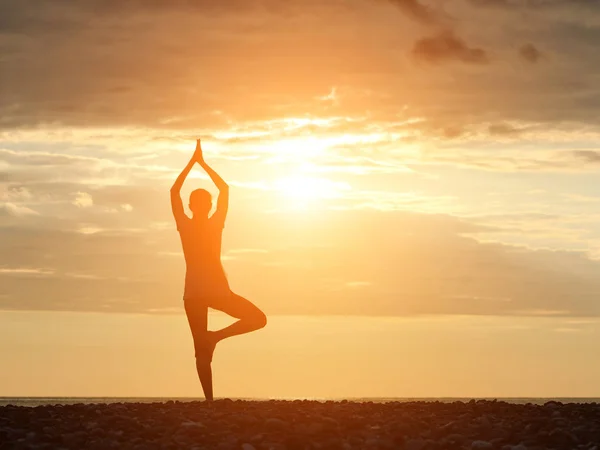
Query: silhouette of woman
<point>206,284</point>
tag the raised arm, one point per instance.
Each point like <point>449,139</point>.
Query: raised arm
<point>176,203</point>
<point>223,200</point>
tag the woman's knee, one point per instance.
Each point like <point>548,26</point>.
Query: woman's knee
<point>260,319</point>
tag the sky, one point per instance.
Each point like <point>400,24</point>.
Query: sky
<point>389,160</point>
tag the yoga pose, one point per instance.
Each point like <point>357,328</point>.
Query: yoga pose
<point>206,284</point>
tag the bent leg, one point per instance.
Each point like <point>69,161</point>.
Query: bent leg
<point>197,315</point>
<point>250,317</point>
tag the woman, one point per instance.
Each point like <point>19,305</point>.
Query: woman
<point>206,284</point>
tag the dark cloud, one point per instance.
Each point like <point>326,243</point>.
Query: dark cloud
<point>453,132</point>
<point>446,46</point>
<point>48,16</point>
<point>417,11</point>
<point>153,63</point>
<point>530,53</point>
<point>202,67</point>
<point>503,129</point>
<point>535,3</point>
<point>588,156</point>
<point>502,3</point>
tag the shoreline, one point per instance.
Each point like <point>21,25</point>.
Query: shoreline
<point>57,400</point>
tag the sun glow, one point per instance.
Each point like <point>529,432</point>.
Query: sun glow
<point>302,189</point>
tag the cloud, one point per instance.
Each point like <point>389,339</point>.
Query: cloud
<point>587,156</point>
<point>398,263</point>
<point>44,158</point>
<point>530,53</point>
<point>83,200</point>
<point>446,46</point>
<point>17,210</point>
<point>510,160</point>
<point>219,83</point>
<point>417,11</point>
<point>499,3</point>
<point>535,3</point>
<point>24,271</point>
<point>504,129</point>
<point>152,75</point>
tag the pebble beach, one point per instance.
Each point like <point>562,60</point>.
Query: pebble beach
<point>302,425</point>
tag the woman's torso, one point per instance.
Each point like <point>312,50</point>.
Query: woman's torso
<point>201,242</point>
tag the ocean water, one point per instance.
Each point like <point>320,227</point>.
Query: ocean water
<point>40,401</point>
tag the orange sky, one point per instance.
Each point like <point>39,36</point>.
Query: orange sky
<point>398,159</point>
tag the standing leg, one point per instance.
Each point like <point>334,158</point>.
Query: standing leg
<point>197,314</point>
<point>250,317</point>
<point>205,374</point>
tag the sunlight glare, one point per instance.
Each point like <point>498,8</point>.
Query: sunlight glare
<point>303,189</point>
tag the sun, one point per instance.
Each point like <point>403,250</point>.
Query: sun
<point>302,190</point>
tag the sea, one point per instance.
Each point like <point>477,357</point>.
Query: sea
<point>41,401</point>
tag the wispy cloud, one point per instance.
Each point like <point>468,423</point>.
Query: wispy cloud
<point>17,210</point>
<point>25,271</point>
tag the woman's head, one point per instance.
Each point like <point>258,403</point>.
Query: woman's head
<point>200,202</point>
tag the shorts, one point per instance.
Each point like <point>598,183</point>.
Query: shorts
<point>204,285</point>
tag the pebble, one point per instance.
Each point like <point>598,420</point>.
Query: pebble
<point>303,424</point>
<point>415,444</point>
<point>195,425</point>
<point>275,423</point>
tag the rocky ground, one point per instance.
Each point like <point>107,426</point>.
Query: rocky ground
<point>249,425</point>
